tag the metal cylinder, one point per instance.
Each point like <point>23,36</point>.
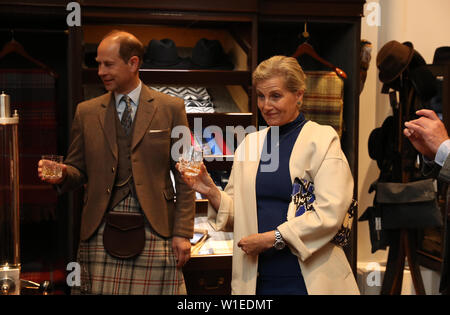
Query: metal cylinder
<point>5,106</point>
<point>9,205</point>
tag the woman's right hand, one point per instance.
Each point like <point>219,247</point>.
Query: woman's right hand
<point>203,184</point>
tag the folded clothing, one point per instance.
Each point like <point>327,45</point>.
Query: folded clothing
<point>196,99</point>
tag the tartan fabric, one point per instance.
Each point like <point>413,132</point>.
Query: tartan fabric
<point>33,94</point>
<point>153,271</point>
<point>323,101</point>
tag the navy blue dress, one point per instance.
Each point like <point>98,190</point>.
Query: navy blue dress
<point>278,270</point>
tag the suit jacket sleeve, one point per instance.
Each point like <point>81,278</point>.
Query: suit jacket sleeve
<point>76,174</point>
<point>185,198</point>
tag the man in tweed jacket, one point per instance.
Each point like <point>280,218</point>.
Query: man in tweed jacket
<point>104,151</point>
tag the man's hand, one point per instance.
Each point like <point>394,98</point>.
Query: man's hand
<point>53,181</point>
<point>182,250</point>
<point>426,133</point>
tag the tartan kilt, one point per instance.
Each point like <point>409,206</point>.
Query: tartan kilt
<point>153,271</point>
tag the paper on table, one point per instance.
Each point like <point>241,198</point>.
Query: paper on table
<point>218,242</point>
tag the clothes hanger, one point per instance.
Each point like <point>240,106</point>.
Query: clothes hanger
<point>307,49</point>
<point>14,46</point>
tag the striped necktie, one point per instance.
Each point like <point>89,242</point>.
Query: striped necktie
<point>126,116</point>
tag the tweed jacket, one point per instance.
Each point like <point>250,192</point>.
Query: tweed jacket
<point>317,157</point>
<point>93,158</point>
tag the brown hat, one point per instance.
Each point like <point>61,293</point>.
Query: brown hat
<point>392,59</point>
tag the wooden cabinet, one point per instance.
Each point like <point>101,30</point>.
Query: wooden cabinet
<point>207,275</point>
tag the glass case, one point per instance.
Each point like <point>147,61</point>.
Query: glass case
<point>9,200</point>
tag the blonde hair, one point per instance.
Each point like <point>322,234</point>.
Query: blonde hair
<point>286,67</point>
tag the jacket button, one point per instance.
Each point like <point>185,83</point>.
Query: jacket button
<point>113,169</point>
<point>108,191</point>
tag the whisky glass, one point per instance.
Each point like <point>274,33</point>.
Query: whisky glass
<point>51,166</point>
<point>191,161</point>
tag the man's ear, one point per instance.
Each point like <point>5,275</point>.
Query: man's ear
<point>134,63</point>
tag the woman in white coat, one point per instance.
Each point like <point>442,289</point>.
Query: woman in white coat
<point>277,248</point>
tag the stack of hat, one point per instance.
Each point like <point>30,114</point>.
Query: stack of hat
<point>398,63</point>
<point>395,58</point>
<point>206,54</point>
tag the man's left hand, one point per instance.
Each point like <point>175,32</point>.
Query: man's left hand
<point>182,250</point>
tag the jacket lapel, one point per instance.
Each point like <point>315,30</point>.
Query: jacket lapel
<point>108,122</point>
<point>144,115</point>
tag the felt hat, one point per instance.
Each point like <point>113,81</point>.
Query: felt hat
<point>421,78</point>
<point>381,147</point>
<point>163,54</point>
<point>209,54</point>
<point>442,55</point>
<point>417,61</point>
<point>424,83</point>
<point>392,59</point>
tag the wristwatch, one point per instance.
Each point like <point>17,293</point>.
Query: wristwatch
<point>279,242</point>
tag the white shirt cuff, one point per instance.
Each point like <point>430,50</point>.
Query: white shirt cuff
<point>442,153</point>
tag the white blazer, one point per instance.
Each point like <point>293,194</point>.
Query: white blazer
<point>317,157</point>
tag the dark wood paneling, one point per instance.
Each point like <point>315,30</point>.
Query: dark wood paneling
<point>317,8</point>
<point>198,5</point>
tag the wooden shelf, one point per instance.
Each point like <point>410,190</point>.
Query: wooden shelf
<point>165,76</point>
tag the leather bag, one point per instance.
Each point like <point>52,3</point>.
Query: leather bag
<point>124,234</point>
<point>410,205</point>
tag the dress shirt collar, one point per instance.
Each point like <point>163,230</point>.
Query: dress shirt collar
<point>134,95</point>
